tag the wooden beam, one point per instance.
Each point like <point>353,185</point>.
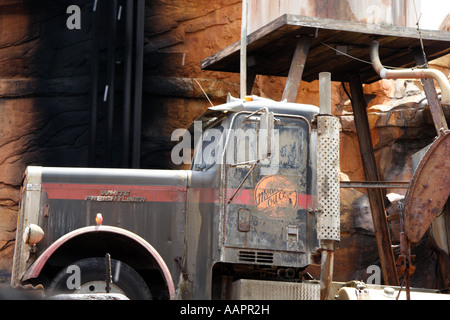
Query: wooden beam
<point>296,69</point>
<point>380,224</point>
<point>430,92</point>
<point>272,46</point>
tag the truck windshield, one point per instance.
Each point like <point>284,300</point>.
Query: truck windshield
<point>289,150</point>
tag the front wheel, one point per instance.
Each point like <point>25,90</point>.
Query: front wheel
<point>88,276</point>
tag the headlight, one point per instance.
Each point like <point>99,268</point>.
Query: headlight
<point>33,234</point>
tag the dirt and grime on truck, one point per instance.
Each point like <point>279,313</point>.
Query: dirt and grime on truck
<point>245,210</point>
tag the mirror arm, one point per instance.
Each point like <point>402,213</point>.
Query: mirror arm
<point>258,111</point>
<point>243,180</point>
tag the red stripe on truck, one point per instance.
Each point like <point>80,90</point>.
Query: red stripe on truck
<point>154,194</point>
<point>118,192</point>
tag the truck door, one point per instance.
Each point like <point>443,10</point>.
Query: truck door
<point>266,202</point>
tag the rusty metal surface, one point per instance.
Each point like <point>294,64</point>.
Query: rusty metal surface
<point>429,189</point>
<point>180,213</point>
<point>386,12</point>
<point>271,204</point>
<point>326,273</point>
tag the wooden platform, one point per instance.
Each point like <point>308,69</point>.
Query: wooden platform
<point>302,47</point>
<point>270,49</point>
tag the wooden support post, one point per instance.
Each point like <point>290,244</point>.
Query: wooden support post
<point>430,92</point>
<point>376,200</point>
<point>296,69</point>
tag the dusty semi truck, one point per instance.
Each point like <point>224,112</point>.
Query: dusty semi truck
<point>246,216</point>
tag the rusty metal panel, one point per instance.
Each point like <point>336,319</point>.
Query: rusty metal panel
<point>429,189</point>
<point>149,203</point>
<point>387,12</point>
<point>270,209</point>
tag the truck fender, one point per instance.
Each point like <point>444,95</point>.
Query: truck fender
<point>37,266</point>
<point>429,188</point>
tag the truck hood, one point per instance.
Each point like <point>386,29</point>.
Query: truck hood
<point>115,176</point>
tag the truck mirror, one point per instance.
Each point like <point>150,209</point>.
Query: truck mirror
<point>266,132</point>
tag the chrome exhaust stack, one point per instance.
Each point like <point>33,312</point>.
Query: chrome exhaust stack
<point>328,184</point>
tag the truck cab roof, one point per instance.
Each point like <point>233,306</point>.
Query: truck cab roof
<point>252,104</point>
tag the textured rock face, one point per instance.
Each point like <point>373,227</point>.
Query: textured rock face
<point>45,99</point>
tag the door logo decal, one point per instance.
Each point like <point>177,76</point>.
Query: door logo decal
<point>275,196</point>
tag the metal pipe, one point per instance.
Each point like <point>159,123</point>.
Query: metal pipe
<point>375,184</point>
<point>328,188</point>
<point>326,268</point>
<point>127,83</point>
<point>408,74</point>
<point>243,72</point>
<point>290,273</point>
<point>139,65</point>
<point>94,68</point>
<point>325,92</point>
<point>110,87</point>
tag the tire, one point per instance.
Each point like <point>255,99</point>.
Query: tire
<point>88,276</point>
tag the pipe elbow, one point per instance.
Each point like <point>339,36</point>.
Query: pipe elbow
<point>437,75</point>
<point>375,58</point>
<point>443,83</point>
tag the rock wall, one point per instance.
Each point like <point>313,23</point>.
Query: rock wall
<point>45,83</point>
<point>44,101</point>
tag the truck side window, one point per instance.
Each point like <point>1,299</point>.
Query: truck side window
<point>208,151</point>
<point>245,141</point>
<point>290,145</point>
<point>291,141</point>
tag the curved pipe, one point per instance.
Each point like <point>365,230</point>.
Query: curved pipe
<point>410,73</point>
<point>37,266</point>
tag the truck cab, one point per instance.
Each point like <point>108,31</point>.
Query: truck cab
<point>261,224</point>
<point>244,211</point>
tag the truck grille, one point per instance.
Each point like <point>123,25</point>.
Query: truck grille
<point>255,256</point>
